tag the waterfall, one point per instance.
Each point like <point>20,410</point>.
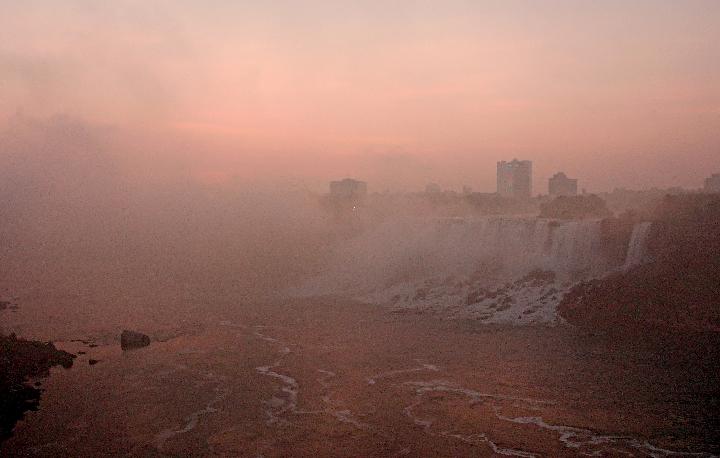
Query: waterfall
<point>411,249</point>
<point>519,244</point>
<point>636,247</point>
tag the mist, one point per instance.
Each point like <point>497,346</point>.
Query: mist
<point>99,231</point>
<point>316,228</point>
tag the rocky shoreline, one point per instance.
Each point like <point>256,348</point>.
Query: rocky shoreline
<point>21,361</point>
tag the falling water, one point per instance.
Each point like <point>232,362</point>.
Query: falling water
<point>522,243</point>
<point>636,248</point>
<point>408,250</point>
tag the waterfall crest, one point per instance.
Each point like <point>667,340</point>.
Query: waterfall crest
<point>443,264</point>
<point>409,250</point>
<point>519,244</point>
<point>636,247</point>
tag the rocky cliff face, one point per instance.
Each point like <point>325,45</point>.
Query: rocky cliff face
<point>678,290</point>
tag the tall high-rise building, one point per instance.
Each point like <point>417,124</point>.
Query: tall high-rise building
<point>561,185</point>
<point>514,179</point>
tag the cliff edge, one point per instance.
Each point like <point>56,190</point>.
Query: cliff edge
<point>677,289</point>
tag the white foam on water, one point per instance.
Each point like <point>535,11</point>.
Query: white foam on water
<point>475,396</point>
<point>191,421</point>
<point>423,367</point>
<point>476,439</point>
<point>342,415</point>
<point>583,441</point>
<point>579,438</point>
<point>278,406</point>
<point>480,438</point>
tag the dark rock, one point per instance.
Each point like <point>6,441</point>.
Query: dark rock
<point>132,339</point>
<point>93,362</point>
<point>677,292</point>
<point>20,360</point>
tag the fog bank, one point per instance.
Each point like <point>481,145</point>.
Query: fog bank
<point>96,232</point>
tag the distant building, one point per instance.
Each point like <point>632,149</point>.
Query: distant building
<point>348,189</point>
<point>433,188</point>
<point>514,179</point>
<point>561,185</point>
<point>712,183</point>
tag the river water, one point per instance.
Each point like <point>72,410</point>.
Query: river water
<point>329,377</point>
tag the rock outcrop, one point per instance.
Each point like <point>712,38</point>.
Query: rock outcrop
<point>131,339</point>
<point>678,291</point>
<point>20,360</point>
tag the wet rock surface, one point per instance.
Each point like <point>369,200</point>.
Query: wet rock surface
<point>528,299</point>
<point>130,340</point>
<point>677,291</point>
<point>21,360</point>
<point>8,305</point>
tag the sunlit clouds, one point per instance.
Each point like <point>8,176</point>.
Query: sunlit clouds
<point>593,88</point>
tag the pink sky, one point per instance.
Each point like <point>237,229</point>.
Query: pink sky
<point>615,93</point>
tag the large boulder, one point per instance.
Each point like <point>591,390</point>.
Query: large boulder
<point>132,339</point>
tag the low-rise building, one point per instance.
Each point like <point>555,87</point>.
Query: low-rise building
<point>712,183</point>
<point>348,189</point>
<point>560,185</point>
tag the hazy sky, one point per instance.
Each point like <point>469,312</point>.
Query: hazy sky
<point>614,92</point>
